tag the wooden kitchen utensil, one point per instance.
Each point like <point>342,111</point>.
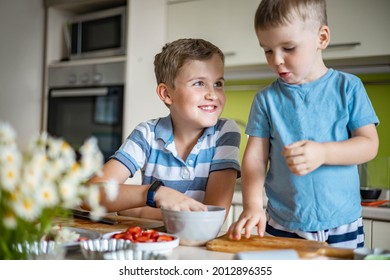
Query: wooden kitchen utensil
<point>304,248</point>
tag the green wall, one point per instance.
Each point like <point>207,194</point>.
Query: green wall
<point>240,94</point>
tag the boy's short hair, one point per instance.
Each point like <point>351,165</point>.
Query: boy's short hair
<point>168,62</point>
<point>274,13</point>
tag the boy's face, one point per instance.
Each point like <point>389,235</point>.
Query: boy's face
<point>198,98</point>
<point>293,51</point>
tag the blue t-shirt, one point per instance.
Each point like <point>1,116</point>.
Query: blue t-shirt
<point>151,148</point>
<point>324,110</point>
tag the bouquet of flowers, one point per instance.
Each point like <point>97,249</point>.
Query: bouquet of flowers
<point>38,185</point>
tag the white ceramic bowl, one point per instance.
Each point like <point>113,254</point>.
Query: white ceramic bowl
<point>194,228</point>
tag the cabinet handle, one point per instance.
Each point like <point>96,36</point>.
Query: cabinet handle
<point>229,54</point>
<point>344,45</point>
<point>79,92</point>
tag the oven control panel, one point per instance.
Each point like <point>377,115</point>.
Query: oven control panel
<point>112,73</point>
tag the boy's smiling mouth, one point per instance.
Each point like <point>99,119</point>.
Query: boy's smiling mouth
<point>208,108</point>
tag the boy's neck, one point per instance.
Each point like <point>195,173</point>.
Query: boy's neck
<point>185,140</point>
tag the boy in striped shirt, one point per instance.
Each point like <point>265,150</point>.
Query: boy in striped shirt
<point>192,155</point>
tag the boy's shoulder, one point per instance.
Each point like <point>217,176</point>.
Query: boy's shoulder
<point>345,75</point>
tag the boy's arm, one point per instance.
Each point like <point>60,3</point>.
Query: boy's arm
<point>220,188</point>
<point>132,196</point>
<point>254,168</point>
<point>362,147</point>
<point>305,156</point>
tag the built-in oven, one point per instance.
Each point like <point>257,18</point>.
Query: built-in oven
<point>85,101</point>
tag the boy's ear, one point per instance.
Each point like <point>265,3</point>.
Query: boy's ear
<point>162,91</point>
<point>324,37</point>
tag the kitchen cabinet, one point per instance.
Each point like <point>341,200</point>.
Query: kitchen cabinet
<point>226,23</point>
<point>358,28</point>
<point>367,224</point>
<point>380,234</point>
<point>377,234</point>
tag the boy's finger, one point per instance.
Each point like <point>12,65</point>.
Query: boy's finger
<point>295,144</point>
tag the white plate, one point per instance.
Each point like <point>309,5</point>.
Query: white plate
<point>150,246</point>
<point>84,233</point>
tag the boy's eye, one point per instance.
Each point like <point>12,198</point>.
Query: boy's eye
<point>218,84</point>
<point>267,51</point>
<point>289,49</point>
<point>198,83</point>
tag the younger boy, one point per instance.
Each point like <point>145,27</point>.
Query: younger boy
<point>190,156</point>
<point>313,125</point>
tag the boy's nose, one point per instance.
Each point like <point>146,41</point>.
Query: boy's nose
<point>278,59</point>
<point>211,94</point>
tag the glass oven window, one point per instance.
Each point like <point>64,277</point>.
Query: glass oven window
<point>76,117</point>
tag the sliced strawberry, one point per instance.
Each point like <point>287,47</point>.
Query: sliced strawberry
<point>164,237</point>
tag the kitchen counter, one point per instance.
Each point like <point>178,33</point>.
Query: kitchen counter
<point>181,252</point>
<point>377,213</point>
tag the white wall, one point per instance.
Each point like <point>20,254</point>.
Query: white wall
<point>146,37</point>
<point>21,65</point>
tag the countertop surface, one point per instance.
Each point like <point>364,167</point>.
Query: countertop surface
<point>181,252</point>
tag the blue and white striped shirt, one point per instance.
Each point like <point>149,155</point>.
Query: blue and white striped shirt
<point>151,148</point>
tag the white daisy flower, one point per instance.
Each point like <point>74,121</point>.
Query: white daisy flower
<point>9,221</point>
<point>93,196</point>
<point>7,133</point>
<point>10,155</point>
<point>69,192</point>
<point>47,195</point>
<point>111,188</point>
<point>97,212</point>
<point>26,208</point>
<point>9,177</point>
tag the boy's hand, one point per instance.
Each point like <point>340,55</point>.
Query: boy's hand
<point>171,199</point>
<point>249,218</point>
<point>304,156</point>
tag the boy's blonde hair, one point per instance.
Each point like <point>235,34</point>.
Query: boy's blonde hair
<point>168,62</point>
<point>274,13</point>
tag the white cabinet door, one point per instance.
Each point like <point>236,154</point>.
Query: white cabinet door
<point>381,235</point>
<point>226,23</point>
<point>367,224</point>
<point>358,28</point>
<point>228,221</point>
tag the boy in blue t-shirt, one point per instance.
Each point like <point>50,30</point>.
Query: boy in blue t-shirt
<point>313,125</point>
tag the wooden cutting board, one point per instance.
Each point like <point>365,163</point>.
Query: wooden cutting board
<point>304,248</point>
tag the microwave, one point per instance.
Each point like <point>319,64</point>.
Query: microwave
<point>98,34</point>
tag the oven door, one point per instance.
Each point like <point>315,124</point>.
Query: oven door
<point>76,114</point>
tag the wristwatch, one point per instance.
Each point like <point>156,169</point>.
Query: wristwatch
<point>151,192</point>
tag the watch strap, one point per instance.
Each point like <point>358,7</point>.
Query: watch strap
<point>151,192</point>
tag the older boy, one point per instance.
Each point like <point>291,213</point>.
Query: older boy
<point>190,158</point>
